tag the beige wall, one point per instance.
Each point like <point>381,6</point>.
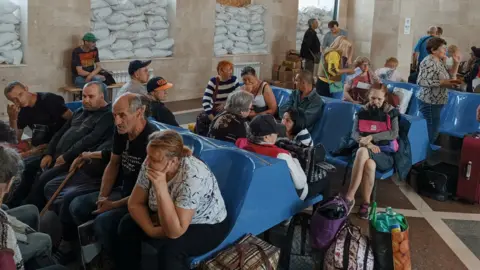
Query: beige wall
<point>55,27</point>
<point>359,25</point>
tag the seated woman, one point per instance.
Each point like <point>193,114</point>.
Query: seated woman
<point>216,93</point>
<point>261,140</point>
<point>295,123</point>
<point>231,124</point>
<point>376,131</point>
<point>263,98</point>
<point>356,87</point>
<point>176,203</point>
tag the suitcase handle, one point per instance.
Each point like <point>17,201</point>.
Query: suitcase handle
<point>468,170</point>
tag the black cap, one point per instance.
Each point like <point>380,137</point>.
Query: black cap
<point>263,125</point>
<point>476,51</point>
<point>136,65</point>
<point>158,83</point>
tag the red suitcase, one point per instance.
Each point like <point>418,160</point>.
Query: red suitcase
<point>468,186</point>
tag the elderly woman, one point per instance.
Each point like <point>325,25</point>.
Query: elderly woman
<point>376,131</point>
<point>216,93</point>
<point>176,204</point>
<point>261,140</point>
<point>434,80</point>
<point>357,86</point>
<point>263,98</point>
<point>231,124</point>
<point>334,64</point>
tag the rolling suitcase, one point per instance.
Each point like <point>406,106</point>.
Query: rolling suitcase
<point>468,187</point>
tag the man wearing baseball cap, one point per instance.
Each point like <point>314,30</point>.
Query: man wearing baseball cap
<point>85,62</point>
<point>263,133</point>
<point>157,91</point>
<point>138,71</point>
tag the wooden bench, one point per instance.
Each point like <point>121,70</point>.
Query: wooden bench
<point>77,92</point>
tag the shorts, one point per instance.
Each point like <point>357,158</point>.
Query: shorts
<point>383,160</point>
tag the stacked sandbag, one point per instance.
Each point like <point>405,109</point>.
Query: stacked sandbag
<point>10,44</point>
<point>239,30</point>
<point>322,15</point>
<point>131,28</point>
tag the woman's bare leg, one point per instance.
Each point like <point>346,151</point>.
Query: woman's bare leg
<point>368,180</point>
<point>357,172</point>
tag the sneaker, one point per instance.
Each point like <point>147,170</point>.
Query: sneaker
<point>363,212</point>
<point>350,205</point>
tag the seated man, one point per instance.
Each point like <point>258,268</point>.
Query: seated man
<point>138,71</point>
<point>261,140</point>
<point>157,91</point>
<point>130,140</point>
<point>306,99</point>
<point>86,62</point>
<point>89,127</point>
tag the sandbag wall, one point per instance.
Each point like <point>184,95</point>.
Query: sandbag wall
<point>10,44</point>
<point>131,28</point>
<point>239,30</point>
<point>322,15</point>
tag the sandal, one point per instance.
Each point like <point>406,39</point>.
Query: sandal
<point>363,212</point>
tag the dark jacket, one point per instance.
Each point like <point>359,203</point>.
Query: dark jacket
<point>85,131</point>
<point>310,45</point>
<point>312,106</point>
<point>472,74</point>
<point>403,157</point>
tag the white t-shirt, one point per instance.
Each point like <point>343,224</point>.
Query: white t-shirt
<point>386,73</point>
<point>193,187</point>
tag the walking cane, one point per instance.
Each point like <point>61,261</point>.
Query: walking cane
<point>59,189</point>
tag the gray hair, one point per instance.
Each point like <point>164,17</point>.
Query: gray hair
<point>101,87</point>
<point>432,30</point>
<point>11,165</point>
<point>360,60</point>
<point>135,102</point>
<point>238,102</point>
<point>10,86</point>
<point>310,22</point>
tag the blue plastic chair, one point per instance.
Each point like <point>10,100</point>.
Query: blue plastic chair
<point>163,126</point>
<point>413,104</point>
<point>74,105</point>
<point>459,114</point>
<point>281,94</point>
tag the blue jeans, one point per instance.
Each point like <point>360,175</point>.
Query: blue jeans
<point>105,224</point>
<point>431,113</point>
<point>80,81</point>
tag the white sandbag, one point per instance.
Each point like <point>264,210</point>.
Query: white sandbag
<point>256,9</point>
<point>121,45</point>
<point>242,19</point>
<point>143,53</point>
<point>115,2</point>
<point>219,8</point>
<point>254,34</point>
<point>241,33</point>
<point>7,7</point>
<point>238,50</point>
<point>3,60</point>
<point>232,28</point>
<point>256,18</point>
<point>218,31</point>
<point>144,34</point>
<point>11,46</point>
<point>246,26</point>
<point>219,38</point>
<point>156,10</point>
<point>161,53</point>
<point>122,34</point>
<point>140,2</point>
<point>99,25</point>
<point>137,27</point>
<point>228,44</point>
<point>220,52</point>
<point>241,39</point>
<point>158,25</point>
<point>149,7</point>
<point>303,27</point>
<point>94,4</point>
<point>135,19</point>
<point>160,35</point>
<point>117,27</point>
<point>219,23</point>
<point>126,5</point>
<point>105,54</point>
<point>241,45</point>
<point>155,18</point>
<point>300,35</point>
<point>133,12</point>
<point>233,22</point>
<point>259,51</point>
<point>116,18</point>
<point>8,37</point>
<point>223,16</point>
<point>257,40</point>
<point>123,54</point>
<point>104,43</point>
<point>232,10</point>
<point>7,27</point>
<point>13,57</point>
<point>143,43</point>
<point>101,13</point>
<point>257,47</point>
<point>160,3</point>
<point>217,46</point>
<point>101,33</point>
<point>9,18</point>
<point>165,44</point>
<point>257,27</point>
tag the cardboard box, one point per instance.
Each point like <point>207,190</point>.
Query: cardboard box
<point>293,56</point>
<point>286,85</point>
<point>292,64</point>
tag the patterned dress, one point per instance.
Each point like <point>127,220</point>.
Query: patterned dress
<point>431,72</point>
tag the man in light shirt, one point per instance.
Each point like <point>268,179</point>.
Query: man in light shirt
<point>138,71</point>
<point>335,31</point>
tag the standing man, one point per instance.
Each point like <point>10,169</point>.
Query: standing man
<point>310,50</point>
<point>86,63</point>
<point>420,52</point>
<point>335,31</point>
<point>157,88</point>
<point>138,71</point>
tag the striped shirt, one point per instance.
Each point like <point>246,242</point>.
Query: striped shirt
<point>224,89</point>
<point>303,137</point>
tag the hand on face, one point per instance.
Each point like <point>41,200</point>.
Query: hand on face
<point>12,111</point>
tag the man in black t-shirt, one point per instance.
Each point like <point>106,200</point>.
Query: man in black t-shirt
<point>157,90</point>
<point>86,63</point>
<point>130,141</point>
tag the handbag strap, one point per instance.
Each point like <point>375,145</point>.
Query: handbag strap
<point>241,250</point>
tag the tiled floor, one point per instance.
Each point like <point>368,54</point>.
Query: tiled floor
<point>444,235</point>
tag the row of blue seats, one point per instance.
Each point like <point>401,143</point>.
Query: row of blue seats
<point>246,181</point>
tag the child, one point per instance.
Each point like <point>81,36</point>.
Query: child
<point>389,71</point>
